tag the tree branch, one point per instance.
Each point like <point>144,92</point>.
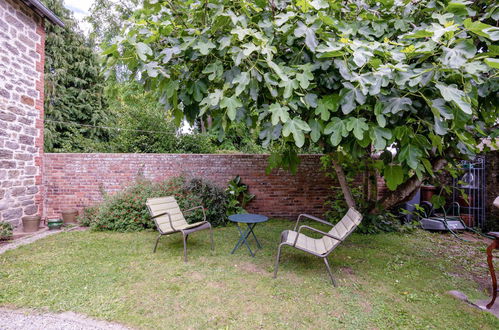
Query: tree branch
<point>405,191</point>
<point>344,185</point>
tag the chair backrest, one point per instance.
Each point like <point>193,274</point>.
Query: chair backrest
<point>343,228</point>
<point>166,204</point>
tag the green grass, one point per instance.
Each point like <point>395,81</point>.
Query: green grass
<point>385,281</point>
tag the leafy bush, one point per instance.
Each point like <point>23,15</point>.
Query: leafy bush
<point>5,230</point>
<point>238,195</point>
<point>126,211</point>
<point>212,197</point>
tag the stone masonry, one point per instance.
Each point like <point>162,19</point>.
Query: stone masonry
<point>22,39</point>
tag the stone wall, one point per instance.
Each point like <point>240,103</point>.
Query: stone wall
<point>76,180</point>
<point>22,41</point>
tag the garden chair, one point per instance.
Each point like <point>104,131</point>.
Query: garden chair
<point>169,220</point>
<point>320,247</point>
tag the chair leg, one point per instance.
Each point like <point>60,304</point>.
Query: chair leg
<point>329,271</point>
<point>184,238</point>
<point>277,260</point>
<point>156,245</point>
<point>211,237</point>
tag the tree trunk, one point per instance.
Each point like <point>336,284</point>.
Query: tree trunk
<point>405,190</point>
<point>343,184</point>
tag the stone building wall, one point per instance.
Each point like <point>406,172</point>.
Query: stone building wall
<point>22,43</point>
<point>77,180</point>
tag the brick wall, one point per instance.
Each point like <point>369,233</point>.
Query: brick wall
<point>22,42</point>
<point>75,180</point>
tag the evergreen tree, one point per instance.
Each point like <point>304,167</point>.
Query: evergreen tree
<point>73,86</point>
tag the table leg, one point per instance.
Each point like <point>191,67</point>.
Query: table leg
<point>243,239</point>
<point>492,246</point>
<point>256,239</point>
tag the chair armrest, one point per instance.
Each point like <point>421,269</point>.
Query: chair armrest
<point>197,207</point>
<point>312,218</point>
<point>316,230</point>
<point>169,218</point>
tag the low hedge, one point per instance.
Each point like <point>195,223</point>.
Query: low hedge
<point>126,211</point>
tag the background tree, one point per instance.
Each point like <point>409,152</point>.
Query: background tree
<point>73,85</point>
<point>400,87</point>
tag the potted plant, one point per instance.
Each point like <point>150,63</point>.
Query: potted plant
<point>427,191</point>
<point>5,230</point>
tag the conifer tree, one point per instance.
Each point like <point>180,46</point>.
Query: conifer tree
<point>73,86</point>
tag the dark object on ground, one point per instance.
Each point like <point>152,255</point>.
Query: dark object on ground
<point>494,245</point>
<point>54,223</point>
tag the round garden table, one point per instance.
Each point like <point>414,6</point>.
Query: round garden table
<point>250,220</point>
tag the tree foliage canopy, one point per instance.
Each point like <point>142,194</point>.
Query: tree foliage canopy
<point>359,77</point>
<point>73,83</point>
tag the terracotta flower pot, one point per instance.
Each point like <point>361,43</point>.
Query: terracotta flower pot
<point>69,216</point>
<point>468,220</point>
<point>31,223</point>
<point>427,193</point>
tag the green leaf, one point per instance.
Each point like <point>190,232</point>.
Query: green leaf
<point>289,87</point>
<point>338,129</point>
<point>279,113</point>
<point>143,50</point>
<point>492,62</point>
<point>380,137</point>
<point>231,104</point>
<point>296,127</point>
<point>171,87</point>
<point>381,120</point>
<point>215,70</point>
<point>427,166</point>
<point>419,34</point>
<point>326,105</point>
<point>394,176</point>
<point>242,80</point>
<point>308,33</point>
<point>315,128</point>
<point>358,126</point>
<point>451,94</point>
<point>396,104</point>
<point>459,55</point>
<point>410,154</point>
<point>204,46</point>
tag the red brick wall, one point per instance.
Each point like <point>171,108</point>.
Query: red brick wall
<point>75,180</point>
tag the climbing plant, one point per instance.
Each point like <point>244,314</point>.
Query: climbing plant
<point>401,86</point>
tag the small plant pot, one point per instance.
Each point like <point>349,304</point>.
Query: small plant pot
<point>427,193</point>
<point>54,224</point>
<point>31,223</point>
<point>69,216</point>
<point>468,219</point>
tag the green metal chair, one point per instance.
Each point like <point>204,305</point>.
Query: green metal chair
<point>320,247</point>
<point>169,219</point>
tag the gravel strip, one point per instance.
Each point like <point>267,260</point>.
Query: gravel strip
<point>27,240</point>
<point>35,237</point>
<point>31,320</point>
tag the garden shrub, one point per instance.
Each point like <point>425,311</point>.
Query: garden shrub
<point>5,230</point>
<point>126,210</point>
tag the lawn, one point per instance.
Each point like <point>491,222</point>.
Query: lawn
<point>385,281</point>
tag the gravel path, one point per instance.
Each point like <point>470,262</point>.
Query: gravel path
<point>35,237</point>
<point>26,240</point>
<point>31,320</point>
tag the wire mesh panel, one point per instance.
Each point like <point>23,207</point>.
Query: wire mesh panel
<point>471,182</point>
